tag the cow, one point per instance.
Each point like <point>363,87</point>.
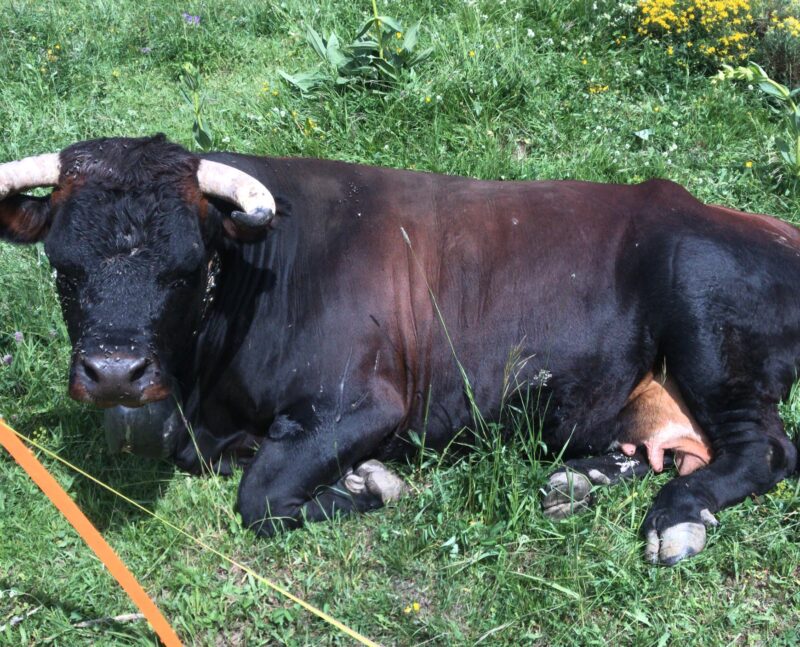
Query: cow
<point>299,318</point>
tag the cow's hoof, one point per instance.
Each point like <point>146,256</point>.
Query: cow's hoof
<point>565,494</point>
<point>374,477</point>
<point>677,542</point>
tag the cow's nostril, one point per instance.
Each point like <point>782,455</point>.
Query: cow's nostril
<point>138,369</point>
<point>91,371</point>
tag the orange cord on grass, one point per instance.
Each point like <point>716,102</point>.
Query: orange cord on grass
<point>89,534</point>
<point>246,569</point>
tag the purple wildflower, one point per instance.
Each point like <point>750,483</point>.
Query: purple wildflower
<point>190,19</point>
<point>146,50</point>
<point>19,337</point>
<point>7,359</point>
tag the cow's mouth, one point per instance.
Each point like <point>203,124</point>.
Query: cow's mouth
<point>110,380</point>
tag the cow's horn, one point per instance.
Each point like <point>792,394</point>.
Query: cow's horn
<point>253,199</point>
<point>29,173</point>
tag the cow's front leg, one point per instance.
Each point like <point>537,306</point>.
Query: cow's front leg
<point>299,475</point>
<point>749,459</point>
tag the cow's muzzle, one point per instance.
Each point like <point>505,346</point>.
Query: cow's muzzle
<point>108,380</point>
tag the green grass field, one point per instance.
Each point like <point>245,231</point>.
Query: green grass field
<point>512,90</point>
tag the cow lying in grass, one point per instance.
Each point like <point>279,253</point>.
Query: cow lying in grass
<point>303,343</point>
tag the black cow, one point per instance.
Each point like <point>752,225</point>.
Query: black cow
<point>304,344</point>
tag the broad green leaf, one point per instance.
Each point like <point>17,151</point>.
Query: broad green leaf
<point>201,137</point>
<point>365,28</point>
<point>364,47</point>
<point>334,52</point>
<point>419,57</point>
<point>774,89</point>
<point>410,37</point>
<point>304,81</point>
<point>787,152</point>
<point>316,42</point>
<point>391,23</point>
<point>757,70</point>
<point>387,68</point>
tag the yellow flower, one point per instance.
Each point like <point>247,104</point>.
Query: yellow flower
<point>584,61</point>
<point>670,51</point>
<point>656,109</point>
<point>428,99</point>
<point>115,73</point>
<point>748,164</point>
<point>58,46</point>
<point>398,35</point>
<point>472,53</point>
<point>414,606</point>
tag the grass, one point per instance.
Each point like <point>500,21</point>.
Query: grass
<point>470,547</point>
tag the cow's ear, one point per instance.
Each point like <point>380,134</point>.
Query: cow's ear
<point>24,218</point>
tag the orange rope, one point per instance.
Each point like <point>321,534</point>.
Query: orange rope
<point>95,541</point>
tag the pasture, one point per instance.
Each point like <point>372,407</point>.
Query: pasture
<point>512,89</point>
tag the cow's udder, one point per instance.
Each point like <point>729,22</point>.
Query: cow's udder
<point>657,418</point>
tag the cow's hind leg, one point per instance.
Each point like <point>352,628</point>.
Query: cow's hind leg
<point>570,488</point>
<point>303,475</point>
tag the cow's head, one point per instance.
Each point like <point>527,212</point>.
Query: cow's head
<point>130,233</point>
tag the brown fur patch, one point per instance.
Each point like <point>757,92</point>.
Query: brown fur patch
<point>68,184</point>
<point>24,219</point>
<point>191,193</point>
